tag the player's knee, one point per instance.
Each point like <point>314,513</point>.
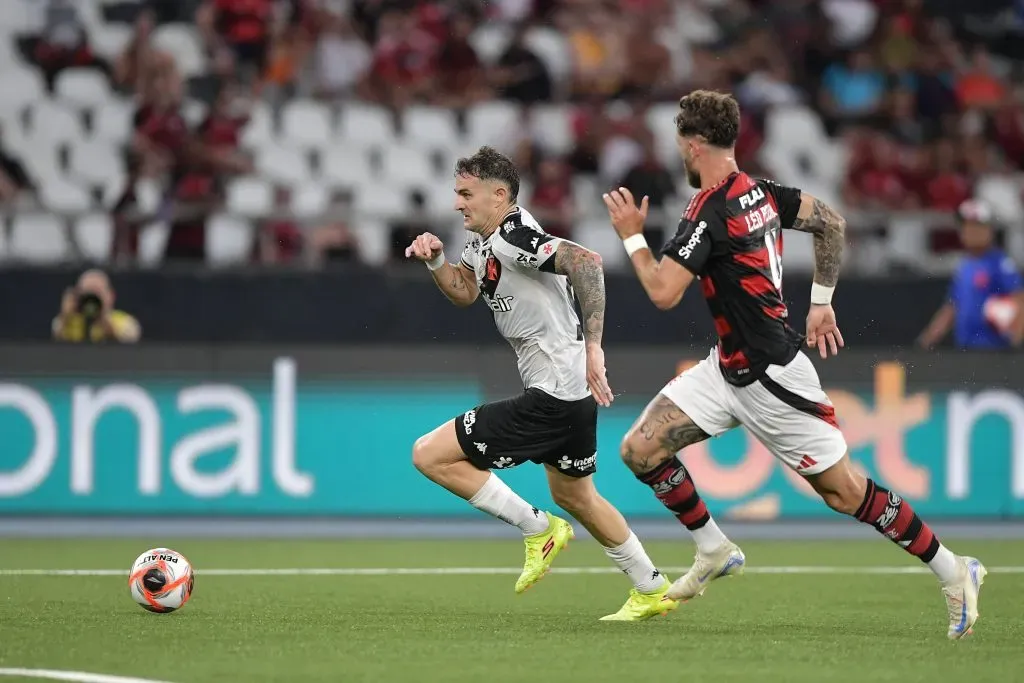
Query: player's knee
<point>641,454</point>
<point>423,456</point>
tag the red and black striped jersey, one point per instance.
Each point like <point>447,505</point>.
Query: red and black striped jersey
<point>730,237</point>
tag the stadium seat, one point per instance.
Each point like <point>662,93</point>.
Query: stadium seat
<point>63,196</point>
<point>551,127</point>
<point>94,234</point>
<point>1003,194</point>
<point>490,40</point>
<point>346,166</point>
<point>112,120</point>
<point>282,164</point>
<point>152,243</point>
<point>433,126</point>
<point>249,197</point>
<point>82,88</point>
<point>378,202</point>
<point>21,86</point>
<point>259,131</point>
<point>552,49</point>
<point>38,238</point>
<point>366,124</point>
<point>306,124</point>
<point>309,201</point>
<point>183,43</point>
<point>487,119</point>
<point>598,235</point>
<point>109,40</point>
<point>374,241</point>
<point>52,123</point>
<point>797,253</point>
<point>194,111</point>
<point>229,240</point>
<point>660,119</point>
<point>97,163</point>
<point>406,166</point>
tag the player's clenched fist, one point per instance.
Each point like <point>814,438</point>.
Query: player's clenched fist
<point>426,247</point>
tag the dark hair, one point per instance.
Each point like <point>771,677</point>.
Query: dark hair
<point>490,164</point>
<point>714,116</point>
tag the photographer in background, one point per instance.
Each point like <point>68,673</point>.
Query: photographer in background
<point>985,304</point>
<point>87,314</point>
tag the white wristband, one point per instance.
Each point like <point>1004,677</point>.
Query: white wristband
<point>820,294</point>
<point>436,262</point>
<point>634,243</point>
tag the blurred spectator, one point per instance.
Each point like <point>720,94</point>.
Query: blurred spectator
<point>651,179</point>
<point>279,239</point>
<point>334,242</point>
<point>648,64</point>
<point>461,80</point>
<point>197,195</point>
<point>141,59</point>
<point>854,90</point>
<point>342,59</point>
<point>63,43</point>
<point>985,278</point>
<point>87,313</point>
<point>14,180</point>
<point>242,25</point>
<point>977,86</point>
<point>407,229</point>
<point>403,62</point>
<point>598,51</point>
<point>552,201</point>
<point>520,75</point>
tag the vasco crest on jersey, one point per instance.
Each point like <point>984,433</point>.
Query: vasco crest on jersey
<point>489,286</point>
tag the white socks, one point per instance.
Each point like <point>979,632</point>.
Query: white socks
<point>632,559</point>
<point>497,499</point>
<point>709,537</point>
<point>944,565</point>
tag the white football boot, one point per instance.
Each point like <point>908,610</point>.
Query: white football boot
<point>962,596</point>
<point>725,560</point>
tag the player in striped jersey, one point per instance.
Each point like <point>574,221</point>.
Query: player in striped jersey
<point>730,239</point>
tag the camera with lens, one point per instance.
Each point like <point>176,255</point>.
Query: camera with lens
<point>90,306</point>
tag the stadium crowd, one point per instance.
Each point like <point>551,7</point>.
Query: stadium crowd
<point>315,131</point>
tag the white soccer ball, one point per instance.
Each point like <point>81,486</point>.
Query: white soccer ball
<point>161,580</point>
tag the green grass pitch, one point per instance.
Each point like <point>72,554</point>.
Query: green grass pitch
<point>763,627</point>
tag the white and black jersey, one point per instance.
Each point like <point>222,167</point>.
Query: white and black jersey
<point>533,307</point>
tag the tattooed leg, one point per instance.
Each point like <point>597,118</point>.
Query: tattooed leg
<point>649,450</point>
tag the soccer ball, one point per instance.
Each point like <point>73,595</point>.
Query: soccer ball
<point>161,580</point>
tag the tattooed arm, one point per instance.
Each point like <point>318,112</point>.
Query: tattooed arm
<point>458,283</point>
<point>828,228</point>
<point>586,274</point>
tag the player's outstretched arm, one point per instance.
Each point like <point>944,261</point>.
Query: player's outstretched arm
<point>458,283</point>
<point>829,230</point>
<point>665,281</point>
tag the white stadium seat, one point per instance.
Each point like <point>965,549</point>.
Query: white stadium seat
<point>54,123</point>
<point>38,239</point>
<point>551,126</point>
<point>485,120</point>
<point>110,40</point>
<point>345,166</point>
<point>306,124</point>
<point>82,88</point>
<point>366,124</point>
<point>97,162</point>
<point>259,131</point>
<point>94,235</point>
<point>405,165</point>
<point>21,86</point>
<point>229,240</point>
<point>309,201</point>
<point>65,197</point>
<point>282,164</point>
<point>249,197</point>
<point>433,126</point>
<point>183,43</point>
<point>112,120</point>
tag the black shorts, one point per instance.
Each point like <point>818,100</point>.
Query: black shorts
<point>534,427</point>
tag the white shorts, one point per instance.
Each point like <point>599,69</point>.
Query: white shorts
<point>787,410</point>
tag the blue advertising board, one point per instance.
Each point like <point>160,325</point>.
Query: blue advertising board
<point>277,444</point>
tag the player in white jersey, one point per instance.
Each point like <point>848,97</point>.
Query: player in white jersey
<point>529,280</point>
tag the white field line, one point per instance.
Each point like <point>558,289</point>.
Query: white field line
<point>479,571</point>
<point>79,676</point>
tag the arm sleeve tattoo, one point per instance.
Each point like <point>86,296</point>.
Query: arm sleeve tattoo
<point>586,274</point>
<point>829,229</point>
